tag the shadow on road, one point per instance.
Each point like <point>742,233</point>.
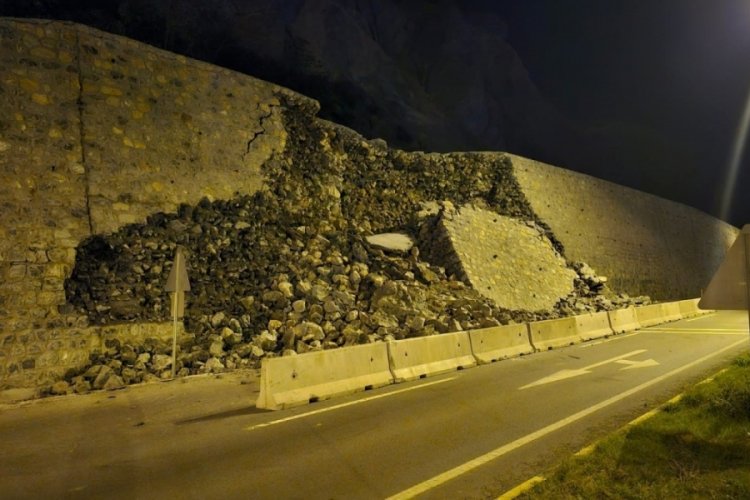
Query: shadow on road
<point>250,410</point>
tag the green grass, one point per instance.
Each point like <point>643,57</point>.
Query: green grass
<point>698,447</point>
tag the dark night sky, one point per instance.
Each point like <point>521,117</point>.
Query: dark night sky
<point>678,69</point>
<point>675,72</point>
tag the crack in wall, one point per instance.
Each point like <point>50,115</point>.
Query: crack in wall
<point>81,132</point>
<point>262,130</point>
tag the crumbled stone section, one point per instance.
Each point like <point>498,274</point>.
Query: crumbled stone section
<point>506,260</point>
<point>289,269</point>
<point>145,151</point>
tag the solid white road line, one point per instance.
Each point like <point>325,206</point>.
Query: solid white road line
<point>502,450</point>
<point>343,405</point>
<point>530,483</point>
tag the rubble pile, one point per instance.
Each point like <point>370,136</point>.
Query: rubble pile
<point>289,269</point>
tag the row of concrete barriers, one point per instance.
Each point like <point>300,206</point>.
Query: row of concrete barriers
<point>297,380</point>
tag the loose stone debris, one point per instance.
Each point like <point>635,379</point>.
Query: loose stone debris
<point>346,245</point>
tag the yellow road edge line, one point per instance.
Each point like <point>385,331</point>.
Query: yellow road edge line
<point>521,488</point>
<point>343,405</point>
<point>453,473</point>
<point>527,485</point>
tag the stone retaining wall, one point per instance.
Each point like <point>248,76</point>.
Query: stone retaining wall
<point>643,243</point>
<point>506,260</point>
<point>98,132</point>
<point>36,357</point>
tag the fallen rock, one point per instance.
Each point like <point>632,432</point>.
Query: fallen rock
<point>101,378</point>
<point>113,382</point>
<point>216,349</point>
<point>60,387</point>
<point>213,365</point>
<point>159,362</point>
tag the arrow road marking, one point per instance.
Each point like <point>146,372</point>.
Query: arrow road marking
<point>469,466</point>
<point>636,364</point>
<point>565,374</point>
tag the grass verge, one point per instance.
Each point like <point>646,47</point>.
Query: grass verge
<point>698,447</point>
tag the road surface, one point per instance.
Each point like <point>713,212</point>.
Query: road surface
<point>468,434</point>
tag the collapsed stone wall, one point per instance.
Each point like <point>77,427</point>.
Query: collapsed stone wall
<point>289,269</point>
<point>114,153</point>
<point>97,131</point>
<point>644,244</point>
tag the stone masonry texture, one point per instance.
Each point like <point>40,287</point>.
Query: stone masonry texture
<point>114,153</point>
<point>511,262</point>
<point>642,243</point>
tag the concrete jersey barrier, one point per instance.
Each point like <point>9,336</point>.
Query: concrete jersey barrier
<point>623,320</point>
<point>671,311</point>
<point>419,357</point>
<point>553,333</point>
<point>499,342</point>
<point>593,325</point>
<point>650,315</point>
<point>298,380</point>
<point>689,308</point>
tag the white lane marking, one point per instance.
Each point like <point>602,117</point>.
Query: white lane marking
<point>527,485</point>
<point>632,365</point>
<point>716,331</point>
<point>343,405</point>
<point>709,315</point>
<point>611,338</point>
<point>446,476</point>
<point>565,374</point>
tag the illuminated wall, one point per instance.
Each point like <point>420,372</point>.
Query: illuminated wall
<point>98,131</point>
<point>643,243</point>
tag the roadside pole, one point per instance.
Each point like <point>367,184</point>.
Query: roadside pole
<point>177,284</point>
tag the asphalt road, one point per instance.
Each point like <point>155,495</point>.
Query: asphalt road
<point>469,434</point>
